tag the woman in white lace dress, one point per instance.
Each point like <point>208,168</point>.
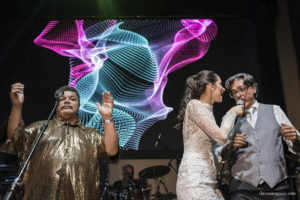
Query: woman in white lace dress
<point>197,172</point>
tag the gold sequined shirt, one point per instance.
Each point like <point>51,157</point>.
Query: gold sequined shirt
<point>65,165</point>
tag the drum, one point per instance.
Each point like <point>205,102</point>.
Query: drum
<point>132,192</point>
<point>106,193</point>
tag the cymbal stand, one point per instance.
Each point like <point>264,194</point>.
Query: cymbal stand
<point>158,181</point>
<point>157,184</point>
<point>162,181</point>
<point>173,156</point>
<point>170,165</point>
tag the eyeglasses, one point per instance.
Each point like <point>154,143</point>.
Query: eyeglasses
<point>240,91</point>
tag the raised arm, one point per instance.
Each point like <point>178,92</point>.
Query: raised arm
<point>200,116</point>
<point>289,133</point>
<point>17,99</point>
<point>111,139</point>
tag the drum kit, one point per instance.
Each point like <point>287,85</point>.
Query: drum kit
<point>135,191</point>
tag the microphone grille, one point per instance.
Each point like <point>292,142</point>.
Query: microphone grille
<point>240,102</point>
<point>57,94</point>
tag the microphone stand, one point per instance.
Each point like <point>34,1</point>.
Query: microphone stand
<point>17,185</point>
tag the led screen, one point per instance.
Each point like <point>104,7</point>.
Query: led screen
<point>129,58</point>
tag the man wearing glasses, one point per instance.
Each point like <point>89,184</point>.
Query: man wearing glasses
<point>255,149</point>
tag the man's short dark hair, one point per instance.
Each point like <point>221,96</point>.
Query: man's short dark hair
<point>249,81</point>
<point>127,166</point>
<point>68,88</point>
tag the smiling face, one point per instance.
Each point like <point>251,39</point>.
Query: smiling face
<point>68,106</point>
<point>240,91</point>
<point>217,91</point>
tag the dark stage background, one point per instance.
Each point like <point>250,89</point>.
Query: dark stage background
<point>245,43</point>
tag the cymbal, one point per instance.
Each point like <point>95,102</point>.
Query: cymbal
<point>154,171</point>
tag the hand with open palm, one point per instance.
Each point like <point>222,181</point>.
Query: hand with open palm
<point>105,110</point>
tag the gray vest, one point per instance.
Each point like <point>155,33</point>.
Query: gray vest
<point>263,158</point>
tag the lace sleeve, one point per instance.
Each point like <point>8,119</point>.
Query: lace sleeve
<point>199,114</point>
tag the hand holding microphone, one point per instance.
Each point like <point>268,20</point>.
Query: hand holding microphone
<point>239,108</point>
<point>239,139</point>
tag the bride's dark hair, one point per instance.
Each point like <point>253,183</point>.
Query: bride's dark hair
<point>194,87</point>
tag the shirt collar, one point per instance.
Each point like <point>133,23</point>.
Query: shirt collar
<point>60,122</point>
<point>254,107</point>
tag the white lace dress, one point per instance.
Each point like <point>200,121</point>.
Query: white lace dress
<point>197,172</point>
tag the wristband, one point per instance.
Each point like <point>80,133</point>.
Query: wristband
<point>108,120</point>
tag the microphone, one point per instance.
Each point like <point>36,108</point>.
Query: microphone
<point>157,140</point>
<point>238,125</point>
<point>239,118</point>
<point>241,102</point>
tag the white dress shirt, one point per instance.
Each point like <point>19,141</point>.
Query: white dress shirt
<point>280,117</point>
<point>251,115</point>
<point>278,112</point>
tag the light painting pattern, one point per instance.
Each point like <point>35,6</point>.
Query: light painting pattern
<point>129,58</point>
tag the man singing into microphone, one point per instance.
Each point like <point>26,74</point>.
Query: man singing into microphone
<point>65,165</point>
<point>259,171</point>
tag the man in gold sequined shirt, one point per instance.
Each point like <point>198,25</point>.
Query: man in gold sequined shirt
<point>65,165</point>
